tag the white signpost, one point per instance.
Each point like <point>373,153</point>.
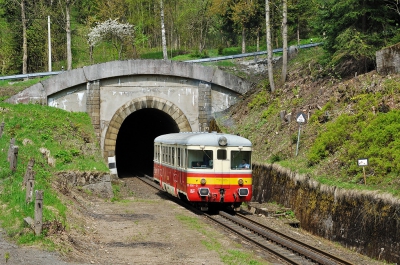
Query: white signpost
<point>301,118</point>
<point>363,162</point>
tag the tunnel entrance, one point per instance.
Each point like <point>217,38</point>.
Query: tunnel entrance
<point>134,145</point>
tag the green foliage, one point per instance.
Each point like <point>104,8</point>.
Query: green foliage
<point>355,30</point>
<point>64,156</point>
<point>116,192</point>
<point>220,50</point>
<point>328,142</point>
<point>275,158</point>
<point>379,142</point>
<point>273,109</point>
<point>259,100</point>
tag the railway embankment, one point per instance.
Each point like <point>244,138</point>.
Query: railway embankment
<point>367,222</point>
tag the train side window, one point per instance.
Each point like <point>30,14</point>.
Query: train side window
<point>169,155</point>
<point>172,155</point>
<point>185,158</point>
<point>156,158</point>
<point>178,156</point>
<point>221,154</point>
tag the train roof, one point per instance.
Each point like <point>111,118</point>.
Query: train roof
<point>201,138</point>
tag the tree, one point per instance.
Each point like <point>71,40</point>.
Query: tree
<point>269,47</point>
<point>24,36</point>
<point>239,12</point>
<point>372,24</point>
<point>164,40</point>
<point>68,4</point>
<point>285,41</point>
<point>195,23</point>
<point>113,31</point>
<point>242,12</point>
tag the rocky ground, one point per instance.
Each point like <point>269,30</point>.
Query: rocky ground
<point>145,228</point>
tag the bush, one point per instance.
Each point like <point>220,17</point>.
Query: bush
<point>220,50</point>
<point>331,140</point>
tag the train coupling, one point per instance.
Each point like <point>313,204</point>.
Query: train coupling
<point>222,195</point>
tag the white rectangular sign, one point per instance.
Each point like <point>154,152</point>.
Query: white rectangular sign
<point>363,162</point>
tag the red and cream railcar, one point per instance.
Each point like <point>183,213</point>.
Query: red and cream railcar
<point>204,168</point>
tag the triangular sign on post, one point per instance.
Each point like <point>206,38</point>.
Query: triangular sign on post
<point>301,118</point>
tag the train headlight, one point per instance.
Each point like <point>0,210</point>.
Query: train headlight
<point>240,181</point>
<point>222,141</point>
<point>203,192</point>
<point>203,181</point>
<point>243,192</point>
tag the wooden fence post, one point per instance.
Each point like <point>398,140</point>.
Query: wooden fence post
<point>10,149</point>
<point>14,158</point>
<point>1,129</point>
<point>30,184</point>
<point>38,212</point>
<point>29,171</point>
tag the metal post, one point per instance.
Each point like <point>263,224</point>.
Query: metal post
<point>38,212</point>
<point>298,140</point>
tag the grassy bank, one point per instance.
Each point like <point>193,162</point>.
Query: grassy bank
<point>70,143</point>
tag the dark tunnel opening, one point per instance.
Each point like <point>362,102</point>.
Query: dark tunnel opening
<point>134,145</point>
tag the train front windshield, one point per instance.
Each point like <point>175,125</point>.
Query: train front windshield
<point>240,159</point>
<point>200,158</point>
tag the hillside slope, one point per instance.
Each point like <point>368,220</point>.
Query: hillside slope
<point>348,119</point>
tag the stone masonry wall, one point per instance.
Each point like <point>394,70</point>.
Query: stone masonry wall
<point>93,105</point>
<point>388,60</point>
<point>204,106</point>
<point>364,221</point>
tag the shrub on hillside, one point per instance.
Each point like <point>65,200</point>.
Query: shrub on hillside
<point>379,141</point>
<point>328,142</point>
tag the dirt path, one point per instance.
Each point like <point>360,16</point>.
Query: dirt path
<point>142,228</point>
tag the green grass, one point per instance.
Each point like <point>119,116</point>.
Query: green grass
<point>71,141</point>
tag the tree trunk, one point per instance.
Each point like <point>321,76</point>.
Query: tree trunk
<point>68,31</point>
<point>269,47</point>
<point>25,40</point>
<point>164,41</point>
<point>298,32</point>
<point>284,39</point>
<point>243,39</point>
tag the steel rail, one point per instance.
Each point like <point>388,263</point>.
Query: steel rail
<point>317,250</point>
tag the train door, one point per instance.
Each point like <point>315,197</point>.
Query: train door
<point>175,171</point>
<point>179,166</point>
<point>222,170</point>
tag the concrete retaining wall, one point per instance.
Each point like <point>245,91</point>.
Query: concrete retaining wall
<point>366,222</point>
<point>388,60</point>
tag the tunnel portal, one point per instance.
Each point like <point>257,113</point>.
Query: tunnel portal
<point>134,145</point>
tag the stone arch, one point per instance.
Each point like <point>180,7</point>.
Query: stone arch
<point>124,111</point>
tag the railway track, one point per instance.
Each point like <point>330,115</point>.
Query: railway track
<point>288,249</point>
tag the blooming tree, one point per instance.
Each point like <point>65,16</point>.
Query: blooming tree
<point>113,31</point>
